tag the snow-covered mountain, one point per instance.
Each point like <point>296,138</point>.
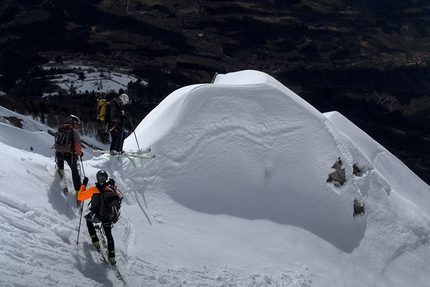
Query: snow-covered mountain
<point>82,78</point>
<point>238,195</point>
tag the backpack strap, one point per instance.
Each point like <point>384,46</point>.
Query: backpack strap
<point>97,208</point>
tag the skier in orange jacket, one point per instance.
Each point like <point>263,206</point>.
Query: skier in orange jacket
<point>94,192</point>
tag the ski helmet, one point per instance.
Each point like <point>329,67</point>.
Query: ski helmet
<point>73,120</point>
<point>123,99</point>
<point>102,176</point>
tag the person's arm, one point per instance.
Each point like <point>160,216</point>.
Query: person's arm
<point>77,142</point>
<point>85,193</point>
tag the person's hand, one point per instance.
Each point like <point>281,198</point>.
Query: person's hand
<point>85,182</point>
<point>89,216</point>
<point>111,182</point>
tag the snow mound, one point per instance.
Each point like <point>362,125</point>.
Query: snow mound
<point>239,194</point>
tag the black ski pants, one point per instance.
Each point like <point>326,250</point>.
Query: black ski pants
<point>117,139</point>
<point>107,228</point>
<point>72,160</point>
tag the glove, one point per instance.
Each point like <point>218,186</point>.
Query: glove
<point>89,216</point>
<point>122,115</point>
<point>111,182</point>
<point>85,182</point>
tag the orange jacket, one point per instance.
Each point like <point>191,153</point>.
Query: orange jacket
<point>85,193</point>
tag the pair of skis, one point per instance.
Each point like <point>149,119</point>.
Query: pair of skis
<point>102,252</point>
<point>141,154</point>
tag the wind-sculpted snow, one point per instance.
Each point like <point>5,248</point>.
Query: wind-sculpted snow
<point>253,130</point>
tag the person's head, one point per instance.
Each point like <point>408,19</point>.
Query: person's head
<point>73,120</point>
<point>123,99</point>
<point>102,177</point>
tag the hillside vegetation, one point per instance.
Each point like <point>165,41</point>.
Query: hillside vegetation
<point>367,59</point>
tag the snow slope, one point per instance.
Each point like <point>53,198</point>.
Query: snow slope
<point>236,196</point>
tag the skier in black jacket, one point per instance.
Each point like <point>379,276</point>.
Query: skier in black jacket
<point>118,115</point>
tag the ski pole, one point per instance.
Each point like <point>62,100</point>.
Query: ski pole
<point>134,132</point>
<point>79,229</point>
<point>82,206</point>
<point>82,165</point>
<point>122,138</point>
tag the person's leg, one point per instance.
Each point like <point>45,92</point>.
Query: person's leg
<point>118,143</point>
<point>121,143</point>
<point>59,158</point>
<point>111,244</point>
<point>92,231</point>
<point>114,139</point>
<point>72,161</point>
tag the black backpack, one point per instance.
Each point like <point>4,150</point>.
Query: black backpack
<point>64,138</point>
<point>110,204</point>
<point>108,116</point>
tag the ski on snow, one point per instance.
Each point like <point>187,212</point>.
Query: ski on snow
<point>141,154</point>
<point>113,266</point>
<point>63,182</point>
<point>102,252</point>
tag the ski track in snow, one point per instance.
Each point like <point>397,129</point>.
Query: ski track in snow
<point>142,273</point>
<point>40,233</point>
<point>149,275</point>
<point>27,226</point>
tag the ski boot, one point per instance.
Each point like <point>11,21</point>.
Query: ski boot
<point>111,256</point>
<point>95,241</point>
